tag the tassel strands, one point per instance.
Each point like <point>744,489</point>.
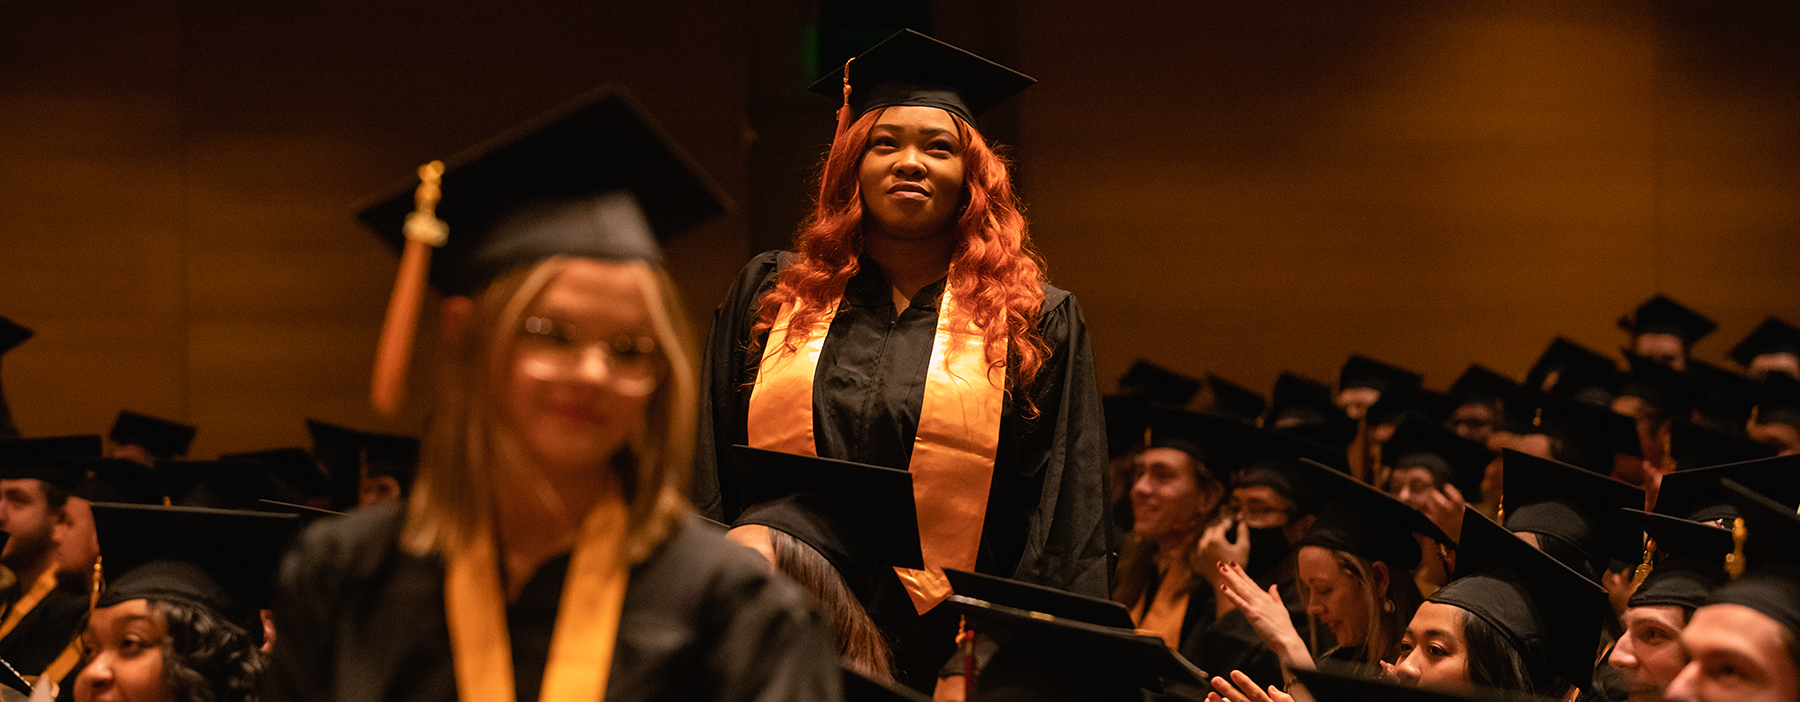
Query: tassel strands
<point>393,353</point>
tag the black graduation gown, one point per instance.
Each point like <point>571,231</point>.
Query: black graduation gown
<point>1219,645</point>
<point>47,629</point>
<point>359,619</point>
<point>1046,515</point>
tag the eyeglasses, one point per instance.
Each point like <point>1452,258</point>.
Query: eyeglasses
<point>552,350</point>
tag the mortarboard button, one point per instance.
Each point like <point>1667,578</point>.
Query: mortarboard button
<point>910,68</point>
<point>163,438</point>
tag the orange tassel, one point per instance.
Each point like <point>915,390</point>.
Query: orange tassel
<point>394,352</point>
<point>843,114</point>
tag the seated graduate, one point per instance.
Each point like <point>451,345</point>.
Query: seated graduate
<point>1776,420</point>
<point>1163,574</point>
<point>1683,562</point>
<point>1514,619</point>
<point>44,519</point>
<point>1356,564</point>
<point>1772,348</point>
<point>1436,471</point>
<point>547,550</point>
<point>147,439</point>
<point>180,619</point>
<point>1662,330</point>
<point>1742,643</point>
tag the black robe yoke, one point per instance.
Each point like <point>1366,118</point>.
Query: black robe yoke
<point>47,629</point>
<point>360,620</point>
<point>1046,515</point>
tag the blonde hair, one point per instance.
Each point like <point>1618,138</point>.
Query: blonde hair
<point>451,501</point>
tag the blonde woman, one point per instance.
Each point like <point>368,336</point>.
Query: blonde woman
<point>547,551</point>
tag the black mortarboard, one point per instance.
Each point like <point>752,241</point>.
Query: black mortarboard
<point>1368,523</point>
<point>235,485</point>
<point>595,177</point>
<point>858,688</point>
<point>1127,419</point>
<point>1661,315</point>
<point>1770,584</point>
<point>1042,653</point>
<point>1549,613</point>
<point>1694,446</point>
<point>1772,336</point>
<point>1570,507</point>
<point>910,68</point>
<point>340,451</point>
<point>1726,397</point>
<point>1689,560</point>
<point>306,513</point>
<point>223,560</point>
<point>40,459</point>
<point>1348,685</point>
<point>1778,400</point>
<point>1674,393</point>
<point>1363,372</point>
<point>1273,461</point>
<point>1158,384</point>
<point>1230,399</point>
<point>1570,369</point>
<point>1298,400</point>
<point>1395,404</point>
<point>1585,434</point>
<point>1696,494</point>
<point>392,456</point>
<point>293,472</point>
<point>12,334</point>
<point>1037,598</point>
<point>860,517</point>
<point>1479,383</point>
<point>119,480</point>
<point>1419,443</point>
<point>1219,443</point>
<point>163,438</point>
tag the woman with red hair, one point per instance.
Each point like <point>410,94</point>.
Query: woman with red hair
<point>912,327</point>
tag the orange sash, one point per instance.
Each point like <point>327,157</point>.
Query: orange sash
<point>39,590</point>
<point>1164,615</point>
<point>587,616</point>
<point>953,453</point>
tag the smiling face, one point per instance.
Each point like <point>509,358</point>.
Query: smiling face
<point>1649,654</point>
<point>583,365</point>
<point>1336,597</point>
<point>1738,654</point>
<point>124,659</point>
<point>1433,653</point>
<point>1166,500</point>
<point>912,173</point>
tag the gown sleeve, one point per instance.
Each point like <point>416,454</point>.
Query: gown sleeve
<point>1068,536</point>
<point>724,395</point>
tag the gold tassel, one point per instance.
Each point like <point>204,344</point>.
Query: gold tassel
<point>843,115</point>
<point>394,352</point>
<point>1643,569</point>
<point>1734,563</point>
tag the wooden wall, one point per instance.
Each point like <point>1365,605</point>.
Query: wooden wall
<point>1229,186</point>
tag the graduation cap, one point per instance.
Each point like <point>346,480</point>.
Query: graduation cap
<point>860,517</point>
<point>1037,598</point>
<point>1420,443</point>
<point>1661,315</point>
<point>1769,581</point>
<point>235,485</point>
<point>1158,384</point>
<point>1363,372</point>
<point>1127,421</point>
<point>1778,401</point>
<point>1771,337</point>
<point>1368,523</point>
<point>1726,397</point>
<point>1694,446</point>
<point>1550,613</point>
<point>1585,434</point>
<point>118,480</point>
<point>1298,400</point>
<point>41,459</point>
<point>1431,404</point>
<point>1233,400</point>
<point>392,456</point>
<point>293,473</point>
<point>12,334</point>
<point>224,560</point>
<point>163,438</point>
<point>1344,684</point>
<point>1688,560</point>
<point>1674,393</point>
<point>1570,369</point>
<point>1043,656</point>
<point>1272,460</point>
<point>594,178</point>
<point>1219,443</point>
<point>1698,495</point>
<point>910,68</point>
<point>339,450</point>
<point>1479,383</point>
<point>1574,511</point>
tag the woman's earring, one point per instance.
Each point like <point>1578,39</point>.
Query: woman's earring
<point>1387,606</point>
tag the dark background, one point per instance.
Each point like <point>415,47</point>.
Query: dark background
<point>1241,187</point>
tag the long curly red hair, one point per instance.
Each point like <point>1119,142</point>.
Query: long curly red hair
<point>995,272</point>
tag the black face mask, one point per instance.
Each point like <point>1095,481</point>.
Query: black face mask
<point>1268,548</point>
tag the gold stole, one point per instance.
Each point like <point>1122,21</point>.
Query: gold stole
<point>953,453</point>
<point>1167,611</point>
<point>39,590</point>
<point>587,616</point>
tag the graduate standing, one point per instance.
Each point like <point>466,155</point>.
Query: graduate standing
<point>912,327</point>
